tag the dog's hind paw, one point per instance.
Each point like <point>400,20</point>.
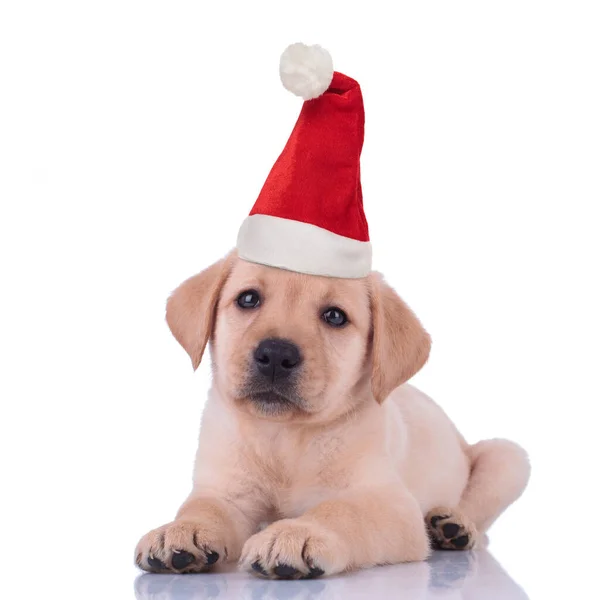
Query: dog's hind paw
<point>450,530</point>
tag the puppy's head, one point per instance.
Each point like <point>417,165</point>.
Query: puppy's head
<point>292,346</point>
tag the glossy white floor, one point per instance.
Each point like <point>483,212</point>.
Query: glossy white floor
<point>446,575</point>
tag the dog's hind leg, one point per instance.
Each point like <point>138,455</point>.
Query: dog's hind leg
<point>499,473</point>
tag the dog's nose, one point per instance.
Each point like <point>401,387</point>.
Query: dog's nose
<point>277,358</point>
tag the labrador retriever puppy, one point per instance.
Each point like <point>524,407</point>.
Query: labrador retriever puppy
<point>311,427</point>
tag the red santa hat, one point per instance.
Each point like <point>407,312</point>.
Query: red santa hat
<point>309,214</point>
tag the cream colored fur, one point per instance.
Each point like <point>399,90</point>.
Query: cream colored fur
<point>364,473</point>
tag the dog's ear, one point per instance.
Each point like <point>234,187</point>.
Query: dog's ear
<point>400,345</point>
<point>192,308</point>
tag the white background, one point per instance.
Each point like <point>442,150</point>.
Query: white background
<point>134,138</point>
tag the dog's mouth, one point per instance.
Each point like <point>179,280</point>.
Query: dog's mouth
<point>271,404</point>
<point>273,399</point>
<point>270,397</point>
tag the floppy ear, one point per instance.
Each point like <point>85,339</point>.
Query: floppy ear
<point>400,344</point>
<point>192,308</point>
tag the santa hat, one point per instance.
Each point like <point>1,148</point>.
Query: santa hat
<point>309,214</point>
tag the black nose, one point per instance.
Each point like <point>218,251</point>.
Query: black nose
<point>276,358</point>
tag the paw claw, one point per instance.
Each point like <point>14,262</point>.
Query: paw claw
<point>256,566</point>
<point>156,563</point>
<point>211,557</point>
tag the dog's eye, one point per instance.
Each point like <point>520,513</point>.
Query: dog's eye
<point>248,299</point>
<point>335,317</point>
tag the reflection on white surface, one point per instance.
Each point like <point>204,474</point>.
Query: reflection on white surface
<point>467,575</point>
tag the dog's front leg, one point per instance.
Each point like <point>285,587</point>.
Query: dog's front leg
<point>208,528</point>
<point>353,529</point>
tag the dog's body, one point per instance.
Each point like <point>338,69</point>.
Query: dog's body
<point>296,432</point>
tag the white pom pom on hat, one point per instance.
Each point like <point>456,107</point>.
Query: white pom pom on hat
<point>306,71</point>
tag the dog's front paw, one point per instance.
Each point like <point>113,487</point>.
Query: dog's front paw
<point>450,530</point>
<point>294,549</point>
<point>179,547</point>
